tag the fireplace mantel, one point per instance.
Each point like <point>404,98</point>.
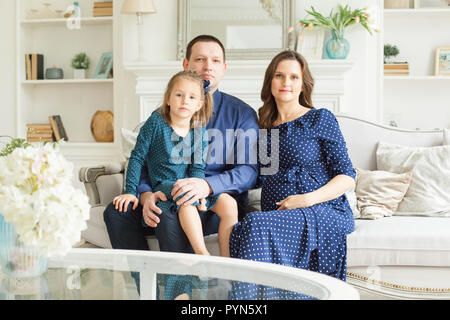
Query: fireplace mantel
<point>243,78</point>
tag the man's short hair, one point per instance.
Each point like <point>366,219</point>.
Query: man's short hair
<point>203,38</point>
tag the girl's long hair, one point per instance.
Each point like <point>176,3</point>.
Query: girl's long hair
<point>202,116</point>
<point>268,112</point>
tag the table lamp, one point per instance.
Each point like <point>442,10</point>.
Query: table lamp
<point>138,7</point>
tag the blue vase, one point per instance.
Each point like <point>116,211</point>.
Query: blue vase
<point>337,47</point>
<point>18,260</point>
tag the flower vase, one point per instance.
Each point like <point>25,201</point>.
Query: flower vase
<point>18,260</point>
<point>337,47</point>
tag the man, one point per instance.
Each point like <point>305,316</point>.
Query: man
<point>227,173</point>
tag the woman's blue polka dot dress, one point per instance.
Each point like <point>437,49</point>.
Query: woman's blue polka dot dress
<point>311,152</point>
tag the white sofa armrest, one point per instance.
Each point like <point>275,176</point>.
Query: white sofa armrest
<point>91,176</point>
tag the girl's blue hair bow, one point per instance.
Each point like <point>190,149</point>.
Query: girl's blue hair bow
<point>206,87</point>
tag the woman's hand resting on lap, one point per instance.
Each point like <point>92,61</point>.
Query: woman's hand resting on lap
<point>297,201</point>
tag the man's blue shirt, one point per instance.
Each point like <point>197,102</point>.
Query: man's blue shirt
<point>231,165</point>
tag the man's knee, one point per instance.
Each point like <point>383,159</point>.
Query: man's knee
<point>110,213</point>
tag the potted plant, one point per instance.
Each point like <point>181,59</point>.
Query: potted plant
<point>390,51</point>
<point>338,47</point>
<point>80,63</point>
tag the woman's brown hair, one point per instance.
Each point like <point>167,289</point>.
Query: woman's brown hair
<point>201,117</point>
<point>268,112</point>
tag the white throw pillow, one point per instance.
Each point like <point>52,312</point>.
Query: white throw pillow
<point>379,193</point>
<point>128,141</point>
<point>351,198</point>
<point>428,194</point>
<point>446,137</point>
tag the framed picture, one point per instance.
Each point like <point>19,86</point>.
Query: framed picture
<point>310,43</point>
<point>442,62</point>
<point>104,66</point>
<point>431,4</point>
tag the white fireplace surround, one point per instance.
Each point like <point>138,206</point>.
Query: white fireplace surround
<point>243,79</point>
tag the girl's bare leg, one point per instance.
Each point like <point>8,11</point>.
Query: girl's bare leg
<point>192,226</point>
<point>226,208</point>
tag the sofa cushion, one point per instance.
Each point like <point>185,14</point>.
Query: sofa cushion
<point>428,193</point>
<point>446,137</point>
<point>378,193</point>
<point>96,232</point>
<point>353,202</point>
<point>109,186</point>
<point>419,241</point>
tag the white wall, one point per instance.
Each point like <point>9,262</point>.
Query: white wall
<point>7,67</point>
<point>160,35</point>
<point>363,81</point>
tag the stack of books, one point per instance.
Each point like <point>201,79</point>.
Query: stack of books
<point>34,66</point>
<point>40,133</point>
<point>396,69</point>
<point>103,9</point>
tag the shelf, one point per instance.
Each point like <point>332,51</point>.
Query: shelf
<point>87,145</point>
<point>63,21</point>
<point>420,78</point>
<point>68,81</point>
<point>422,11</point>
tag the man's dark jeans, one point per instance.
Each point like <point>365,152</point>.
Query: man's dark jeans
<point>126,231</point>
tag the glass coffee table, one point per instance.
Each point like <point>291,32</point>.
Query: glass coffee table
<point>106,274</point>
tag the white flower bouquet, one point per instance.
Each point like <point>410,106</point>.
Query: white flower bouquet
<point>38,199</point>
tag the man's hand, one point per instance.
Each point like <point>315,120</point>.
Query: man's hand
<point>297,201</point>
<point>195,189</point>
<point>148,202</point>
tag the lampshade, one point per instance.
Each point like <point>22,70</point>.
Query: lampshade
<point>138,6</point>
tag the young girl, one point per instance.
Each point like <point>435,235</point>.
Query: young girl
<point>174,144</point>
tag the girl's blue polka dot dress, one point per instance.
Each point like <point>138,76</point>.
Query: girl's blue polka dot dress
<point>169,157</point>
<point>311,152</point>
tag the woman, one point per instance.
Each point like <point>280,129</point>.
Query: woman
<point>305,215</point>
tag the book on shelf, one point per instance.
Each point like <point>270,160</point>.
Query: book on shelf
<point>34,66</point>
<point>48,135</point>
<point>39,127</point>
<point>40,139</point>
<point>58,128</point>
<point>396,74</point>
<point>98,4</point>
<point>396,67</point>
<point>102,12</point>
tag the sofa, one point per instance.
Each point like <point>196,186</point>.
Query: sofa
<point>392,257</point>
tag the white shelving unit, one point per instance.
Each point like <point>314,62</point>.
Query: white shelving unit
<point>420,100</point>
<point>75,100</point>
<point>419,11</point>
<point>67,81</point>
<point>63,21</point>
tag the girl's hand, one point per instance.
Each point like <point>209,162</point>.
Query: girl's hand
<point>296,201</point>
<point>121,202</point>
